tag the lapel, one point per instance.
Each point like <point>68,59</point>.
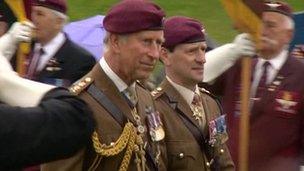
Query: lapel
<point>177,102</point>
<point>105,84</point>
<point>57,60</point>
<point>272,89</point>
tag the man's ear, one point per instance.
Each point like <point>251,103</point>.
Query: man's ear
<point>114,42</point>
<point>165,56</point>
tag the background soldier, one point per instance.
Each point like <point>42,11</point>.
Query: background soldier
<point>276,119</point>
<point>195,130</point>
<point>54,58</point>
<point>121,105</point>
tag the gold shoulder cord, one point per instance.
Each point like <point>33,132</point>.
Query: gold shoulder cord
<point>126,140</point>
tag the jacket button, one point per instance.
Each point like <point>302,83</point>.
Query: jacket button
<point>208,164</point>
<point>181,155</point>
<point>222,151</point>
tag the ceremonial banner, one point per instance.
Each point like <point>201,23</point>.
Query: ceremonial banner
<point>18,10</point>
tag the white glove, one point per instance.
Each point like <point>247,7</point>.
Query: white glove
<point>19,32</point>
<point>11,85</point>
<point>222,58</point>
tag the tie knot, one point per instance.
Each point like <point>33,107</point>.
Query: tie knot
<point>131,95</point>
<point>266,64</point>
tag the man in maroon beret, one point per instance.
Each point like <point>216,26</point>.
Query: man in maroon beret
<point>276,118</point>
<point>54,58</point>
<point>129,133</point>
<point>191,116</point>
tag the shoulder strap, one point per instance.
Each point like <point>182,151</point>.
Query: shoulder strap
<point>102,99</point>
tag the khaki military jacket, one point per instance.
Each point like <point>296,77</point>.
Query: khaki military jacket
<point>184,153</point>
<point>108,129</point>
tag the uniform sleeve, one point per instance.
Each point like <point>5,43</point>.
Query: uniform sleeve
<point>57,128</point>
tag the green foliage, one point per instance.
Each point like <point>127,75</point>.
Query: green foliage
<point>210,12</point>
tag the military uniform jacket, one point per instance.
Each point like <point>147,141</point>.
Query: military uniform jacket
<point>276,120</point>
<point>108,128</point>
<point>183,151</point>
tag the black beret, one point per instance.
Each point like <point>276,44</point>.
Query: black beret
<point>132,16</point>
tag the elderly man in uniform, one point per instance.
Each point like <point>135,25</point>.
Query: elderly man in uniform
<point>54,58</point>
<point>194,127</point>
<point>276,119</point>
<point>39,122</point>
<point>120,104</point>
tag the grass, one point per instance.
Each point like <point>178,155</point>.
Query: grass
<point>210,12</point>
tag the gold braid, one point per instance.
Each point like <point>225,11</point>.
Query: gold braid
<point>126,139</point>
<point>128,154</point>
<point>117,147</point>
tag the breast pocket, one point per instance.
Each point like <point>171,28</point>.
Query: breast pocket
<point>181,155</point>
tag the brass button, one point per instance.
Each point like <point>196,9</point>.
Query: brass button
<point>222,151</point>
<point>88,79</point>
<point>207,164</point>
<point>81,84</point>
<point>159,89</point>
<point>181,155</point>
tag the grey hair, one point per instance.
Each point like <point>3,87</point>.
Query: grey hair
<point>289,23</point>
<point>123,37</point>
<point>61,15</point>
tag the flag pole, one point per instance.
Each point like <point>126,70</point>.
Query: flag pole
<point>246,21</point>
<point>18,8</point>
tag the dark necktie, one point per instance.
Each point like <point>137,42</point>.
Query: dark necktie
<point>34,63</point>
<point>263,80</point>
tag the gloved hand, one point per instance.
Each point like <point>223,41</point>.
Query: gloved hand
<point>244,46</point>
<point>19,32</point>
<point>29,92</point>
<point>222,58</point>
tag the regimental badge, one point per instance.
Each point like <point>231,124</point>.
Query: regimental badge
<point>155,125</point>
<point>218,131</point>
<point>287,102</point>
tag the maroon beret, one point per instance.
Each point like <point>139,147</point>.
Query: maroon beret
<point>178,30</point>
<point>280,7</point>
<point>132,16</point>
<point>57,5</point>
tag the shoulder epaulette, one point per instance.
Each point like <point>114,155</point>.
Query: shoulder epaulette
<point>204,90</point>
<point>157,92</point>
<point>208,93</point>
<point>80,85</point>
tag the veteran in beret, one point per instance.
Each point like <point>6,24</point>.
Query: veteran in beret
<point>276,113</point>
<point>129,134</point>
<point>194,125</point>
